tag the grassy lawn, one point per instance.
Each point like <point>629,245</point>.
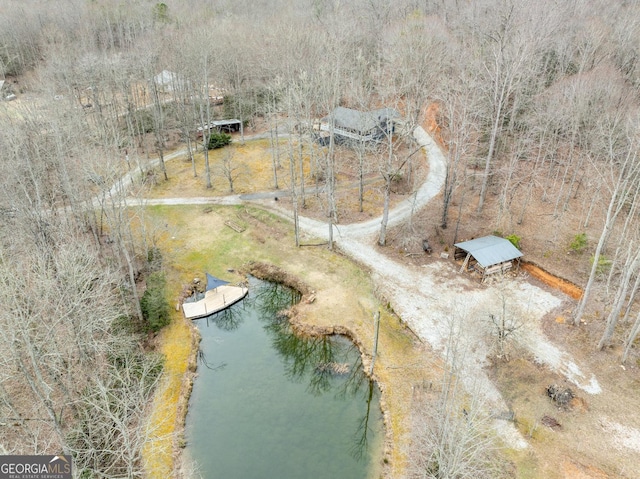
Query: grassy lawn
<point>196,240</point>
<point>251,164</point>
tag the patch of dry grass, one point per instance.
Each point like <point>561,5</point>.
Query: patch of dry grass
<point>197,241</point>
<point>251,164</point>
<point>176,345</point>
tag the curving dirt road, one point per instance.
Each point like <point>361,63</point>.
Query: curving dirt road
<point>436,300</point>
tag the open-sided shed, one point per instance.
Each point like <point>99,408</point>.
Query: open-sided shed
<point>488,255</point>
<point>227,126</point>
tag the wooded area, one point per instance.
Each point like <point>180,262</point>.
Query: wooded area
<point>534,103</point>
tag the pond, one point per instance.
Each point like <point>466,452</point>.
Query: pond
<point>268,403</point>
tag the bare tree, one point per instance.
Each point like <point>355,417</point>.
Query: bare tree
<point>459,127</point>
<point>204,108</point>
<point>511,45</point>
<point>159,124</point>
<point>390,172</point>
<point>451,436</point>
<point>629,269</point>
<point>621,173</point>
<point>273,97</point>
<point>60,308</point>
<point>505,321</point>
<point>112,418</point>
<point>332,84</point>
<point>631,337</point>
<point>228,169</point>
<point>294,193</point>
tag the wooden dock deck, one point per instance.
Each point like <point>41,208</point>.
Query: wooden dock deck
<point>214,300</point>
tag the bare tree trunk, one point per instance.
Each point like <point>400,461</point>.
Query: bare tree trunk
<point>626,177</point>
<point>594,267</point>
<point>204,115</point>
<point>294,196</point>
<point>274,155</point>
<point>487,162</point>
<point>461,203</point>
<point>632,298</point>
<point>361,151</point>
<point>633,334</point>
<point>629,269</point>
<point>388,175</point>
<point>331,195</point>
<point>159,127</point>
<point>594,198</point>
<point>117,227</point>
<point>191,156</point>
<point>382,238</point>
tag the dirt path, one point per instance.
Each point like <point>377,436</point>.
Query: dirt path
<point>436,299</point>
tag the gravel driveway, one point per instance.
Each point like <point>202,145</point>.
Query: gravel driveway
<point>434,299</point>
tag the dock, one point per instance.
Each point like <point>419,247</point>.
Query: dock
<point>214,300</point>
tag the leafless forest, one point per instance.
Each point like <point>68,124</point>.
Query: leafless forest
<point>534,103</point>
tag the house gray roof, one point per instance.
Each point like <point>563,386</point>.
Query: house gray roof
<point>490,250</point>
<point>362,121</point>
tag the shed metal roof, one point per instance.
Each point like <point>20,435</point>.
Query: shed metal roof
<point>217,123</point>
<point>490,250</point>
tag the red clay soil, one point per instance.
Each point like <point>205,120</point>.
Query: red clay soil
<point>431,124</point>
<point>563,285</point>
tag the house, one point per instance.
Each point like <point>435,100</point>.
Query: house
<point>348,123</point>
<point>487,255</point>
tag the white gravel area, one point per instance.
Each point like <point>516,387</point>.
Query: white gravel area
<point>624,437</point>
<point>435,299</point>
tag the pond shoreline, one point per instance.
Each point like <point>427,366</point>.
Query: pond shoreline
<point>273,273</point>
<point>178,342</point>
<point>180,442</point>
<point>303,328</point>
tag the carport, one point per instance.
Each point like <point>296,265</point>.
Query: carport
<point>487,255</point>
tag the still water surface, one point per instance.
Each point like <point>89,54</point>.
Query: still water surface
<point>267,403</point>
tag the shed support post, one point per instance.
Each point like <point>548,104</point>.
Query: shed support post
<point>465,262</point>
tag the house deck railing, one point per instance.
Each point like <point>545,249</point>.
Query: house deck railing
<point>348,133</point>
